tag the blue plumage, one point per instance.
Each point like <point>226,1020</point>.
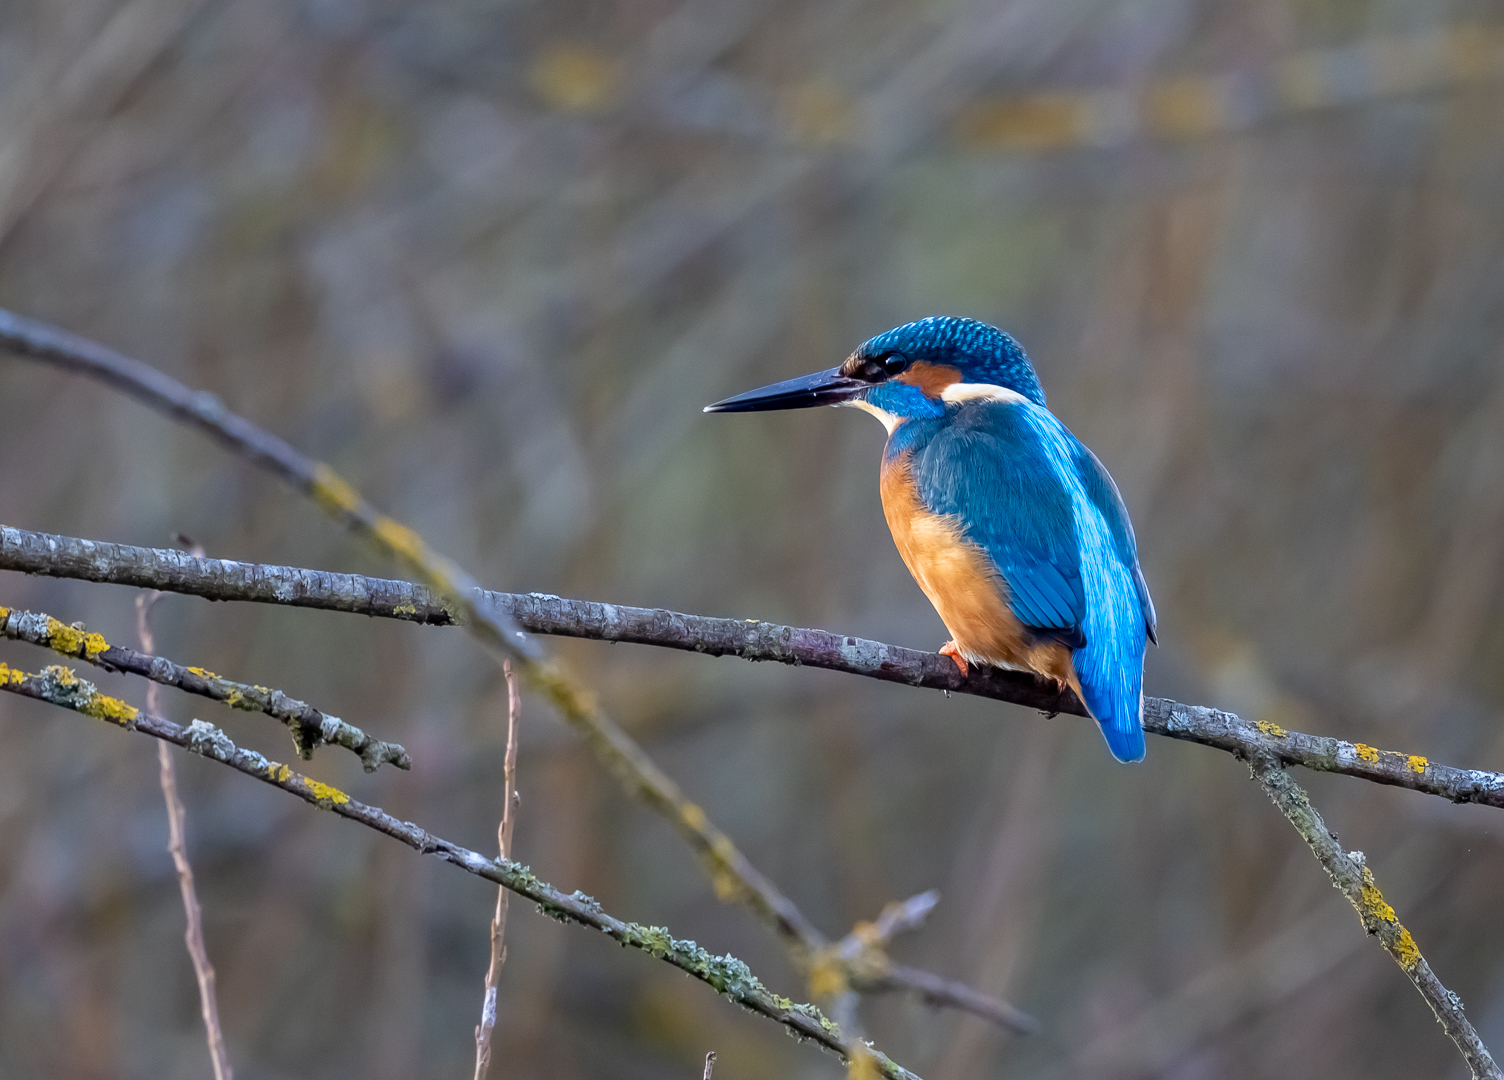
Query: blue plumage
<point>1012,527</point>
<point>1038,502</point>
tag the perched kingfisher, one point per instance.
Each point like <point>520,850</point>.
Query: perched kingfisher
<point>1009,524</point>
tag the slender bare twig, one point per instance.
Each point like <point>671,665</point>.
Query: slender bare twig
<point>510,802</point>
<point>732,874</point>
<point>1352,877</point>
<point>177,847</point>
<point>709,1064</point>
<point>57,685</point>
<point>215,579</point>
<point>310,728</point>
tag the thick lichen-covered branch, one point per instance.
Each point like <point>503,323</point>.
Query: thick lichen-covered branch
<point>310,728</point>
<point>1352,877</point>
<point>727,975</point>
<point>216,579</point>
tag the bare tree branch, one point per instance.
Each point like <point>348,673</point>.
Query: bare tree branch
<point>1352,877</point>
<point>58,685</point>
<point>733,876</point>
<point>510,801</point>
<point>177,847</point>
<point>59,556</point>
<point>216,579</point>
<point>310,728</point>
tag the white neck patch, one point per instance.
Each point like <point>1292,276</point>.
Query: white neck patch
<point>889,420</point>
<point>966,391</point>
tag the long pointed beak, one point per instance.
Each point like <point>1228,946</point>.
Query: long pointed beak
<point>822,388</point>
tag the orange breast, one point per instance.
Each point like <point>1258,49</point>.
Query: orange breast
<point>963,584</point>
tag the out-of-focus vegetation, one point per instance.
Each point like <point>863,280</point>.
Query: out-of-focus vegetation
<point>490,259</point>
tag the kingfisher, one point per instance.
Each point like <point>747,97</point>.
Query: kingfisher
<point>1010,525</point>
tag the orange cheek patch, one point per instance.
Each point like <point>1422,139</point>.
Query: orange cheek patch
<point>931,378</point>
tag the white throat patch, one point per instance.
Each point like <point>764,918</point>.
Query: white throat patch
<point>964,391</point>
<point>889,420</point>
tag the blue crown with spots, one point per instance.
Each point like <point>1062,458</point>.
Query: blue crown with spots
<point>982,353</point>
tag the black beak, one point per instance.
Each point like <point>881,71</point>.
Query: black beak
<point>822,388</point>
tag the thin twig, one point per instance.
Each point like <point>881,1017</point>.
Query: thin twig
<point>215,579</point>
<point>58,685</point>
<point>709,1064</point>
<point>510,802</point>
<point>177,846</point>
<point>310,728</point>
<point>1352,877</point>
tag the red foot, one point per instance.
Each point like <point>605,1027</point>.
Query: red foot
<point>949,649</point>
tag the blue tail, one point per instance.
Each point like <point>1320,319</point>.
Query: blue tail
<point>1114,695</point>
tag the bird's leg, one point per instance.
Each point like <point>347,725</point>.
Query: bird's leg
<point>949,649</point>
<point>1061,686</point>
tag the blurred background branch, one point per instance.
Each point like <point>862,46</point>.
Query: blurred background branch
<point>177,847</point>
<point>510,803</point>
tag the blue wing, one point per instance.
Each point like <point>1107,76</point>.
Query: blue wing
<point>987,468</point>
<point>1042,505</point>
<point>1104,495</point>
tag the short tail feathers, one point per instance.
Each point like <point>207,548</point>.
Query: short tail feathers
<point>1115,698</point>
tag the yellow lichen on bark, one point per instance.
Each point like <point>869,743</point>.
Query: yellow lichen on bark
<point>332,491</point>
<point>725,881</point>
<point>324,793</point>
<point>1271,729</point>
<point>1376,910</point>
<point>1366,753</point>
<point>103,707</point>
<point>71,641</point>
<point>1417,763</point>
<point>402,540</point>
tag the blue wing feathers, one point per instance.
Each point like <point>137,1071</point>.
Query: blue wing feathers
<point>1041,504</point>
<point>1109,502</point>
<point>984,466</point>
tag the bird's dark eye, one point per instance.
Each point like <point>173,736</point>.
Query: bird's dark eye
<point>874,369</point>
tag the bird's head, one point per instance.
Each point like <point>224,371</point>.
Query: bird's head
<point>914,370</point>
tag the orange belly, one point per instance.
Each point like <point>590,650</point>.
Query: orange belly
<point>964,585</point>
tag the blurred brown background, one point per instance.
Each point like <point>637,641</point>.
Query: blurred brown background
<point>490,258</point>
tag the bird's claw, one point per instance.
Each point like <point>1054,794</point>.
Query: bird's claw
<point>949,649</point>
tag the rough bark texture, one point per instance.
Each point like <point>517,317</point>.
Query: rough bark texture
<point>1352,878</point>
<point>310,728</point>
